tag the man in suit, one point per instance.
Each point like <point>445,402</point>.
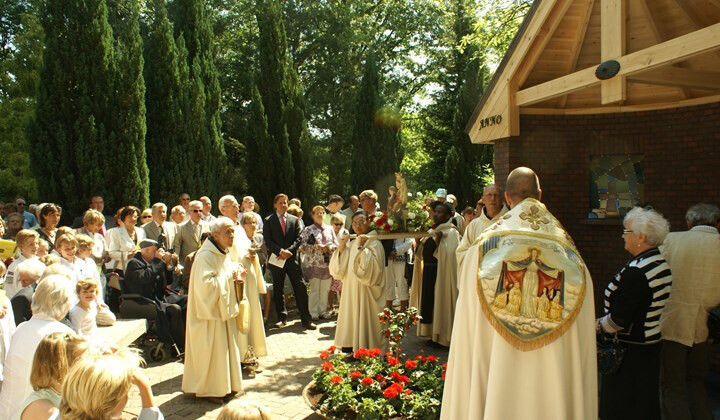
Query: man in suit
<point>187,238</point>
<point>96,203</point>
<point>159,229</point>
<point>282,238</point>
<point>693,258</point>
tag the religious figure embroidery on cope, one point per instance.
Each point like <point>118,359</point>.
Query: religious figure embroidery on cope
<point>531,279</point>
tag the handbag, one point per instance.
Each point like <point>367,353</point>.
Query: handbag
<point>713,324</point>
<point>609,353</point>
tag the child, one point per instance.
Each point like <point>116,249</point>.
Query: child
<point>88,269</point>
<point>244,410</point>
<point>27,241</point>
<point>84,315</point>
<point>55,354</point>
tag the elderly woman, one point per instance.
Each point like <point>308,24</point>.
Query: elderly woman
<point>55,355</point>
<point>249,245</point>
<point>634,301</point>
<point>14,225</point>
<point>48,221</point>
<point>51,302</point>
<point>98,387</point>
<point>316,246</point>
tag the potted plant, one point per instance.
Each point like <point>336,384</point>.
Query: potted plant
<point>370,384</point>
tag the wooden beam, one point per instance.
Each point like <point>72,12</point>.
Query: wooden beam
<point>659,35</point>
<point>612,46</point>
<point>696,21</point>
<point>577,45</point>
<point>668,52</point>
<point>612,109</point>
<point>715,3</point>
<point>680,77</point>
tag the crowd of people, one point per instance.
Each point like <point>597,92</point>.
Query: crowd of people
<point>213,280</point>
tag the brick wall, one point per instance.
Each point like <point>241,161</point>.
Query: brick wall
<point>681,166</point>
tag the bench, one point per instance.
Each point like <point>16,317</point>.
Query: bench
<point>125,331</point>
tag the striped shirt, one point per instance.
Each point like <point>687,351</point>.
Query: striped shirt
<point>636,297</point>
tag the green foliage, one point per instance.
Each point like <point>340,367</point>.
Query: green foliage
<point>167,142</point>
<point>261,172</point>
<point>18,86</point>
<point>126,174</point>
<point>201,108</point>
<point>273,87</point>
<point>70,132</point>
<point>375,136</point>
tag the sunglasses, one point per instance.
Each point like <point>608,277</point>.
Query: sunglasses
<point>337,224</point>
<point>195,211</point>
<point>147,217</point>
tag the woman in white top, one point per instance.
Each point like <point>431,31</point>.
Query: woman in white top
<point>27,241</point>
<point>7,324</point>
<point>55,354</point>
<point>49,216</point>
<point>124,240</point>
<point>51,302</point>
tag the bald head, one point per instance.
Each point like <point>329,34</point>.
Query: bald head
<point>522,183</point>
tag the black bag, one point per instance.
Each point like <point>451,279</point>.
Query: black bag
<point>609,353</point>
<point>713,324</point>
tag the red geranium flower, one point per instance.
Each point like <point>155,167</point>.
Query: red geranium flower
<point>335,380</point>
<point>393,361</point>
<point>331,349</point>
<point>324,355</point>
<point>380,378</point>
<point>387,333</point>
<point>410,364</point>
<point>360,353</point>
<point>393,390</point>
<point>367,381</point>
<point>432,359</point>
<point>443,375</point>
<point>375,352</point>
<point>408,391</point>
<point>327,366</point>
<point>356,374</point>
<point>387,228</point>
<point>444,366</point>
<point>400,378</point>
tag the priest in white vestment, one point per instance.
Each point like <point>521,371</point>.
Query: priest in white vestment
<point>434,290</point>
<point>492,211</point>
<point>212,352</point>
<point>493,375</point>
<point>359,265</point>
<point>245,253</point>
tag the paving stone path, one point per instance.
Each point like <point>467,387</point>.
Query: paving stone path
<point>292,358</point>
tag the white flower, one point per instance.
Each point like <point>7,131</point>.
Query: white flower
<point>411,215</point>
<point>378,214</point>
<point>425,214</point>
<point>419,194</point>
<point>390,222</point>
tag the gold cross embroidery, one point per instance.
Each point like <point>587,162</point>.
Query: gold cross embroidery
<point>534,218</point>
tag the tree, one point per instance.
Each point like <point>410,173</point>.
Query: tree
<point>166,136</point>
<point>18,87</point>
<point>202,102</point>
<point>126,119</point>
<point>298,137</point>
<point>69,134</point>
<point>375,136</point>
<point>260,147</point>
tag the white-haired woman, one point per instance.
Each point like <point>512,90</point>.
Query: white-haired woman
<point>634,301</point>
<point>51,302</point>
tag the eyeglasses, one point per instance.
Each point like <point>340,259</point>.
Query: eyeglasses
<point>20,204</point>
<point>628,231</point>
<point>337,224</point>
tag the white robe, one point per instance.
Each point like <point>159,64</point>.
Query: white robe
<point>473,231</point>
<point>363,293</point>
<point>18,362</point>
<point>489,379</point>
<point>445,293</point>
<point>254,287</point>
<point>7,329</point>
<point>212,353</point>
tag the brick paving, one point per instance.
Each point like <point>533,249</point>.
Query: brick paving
<point>292,357</point>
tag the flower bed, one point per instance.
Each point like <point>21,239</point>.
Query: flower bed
<point>370,384</point>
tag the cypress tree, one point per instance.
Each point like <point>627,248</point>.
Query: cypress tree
<point>202,104</point>
<point>127,169</point>
<point>69,135</point>
<point>463,164</point>
<point>375,138</point>
<point>165,137</point>
<point>259,147</point>
<point>273,89</point>
<point>299,138</point>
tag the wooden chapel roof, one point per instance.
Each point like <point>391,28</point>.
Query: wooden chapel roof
<point>668,52</point>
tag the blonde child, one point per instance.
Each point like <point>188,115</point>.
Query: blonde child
<point>88,269</point>
<point>83,315</point>
<point>55,354</point>
<point>244,410</point>
<point>27,241</point>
